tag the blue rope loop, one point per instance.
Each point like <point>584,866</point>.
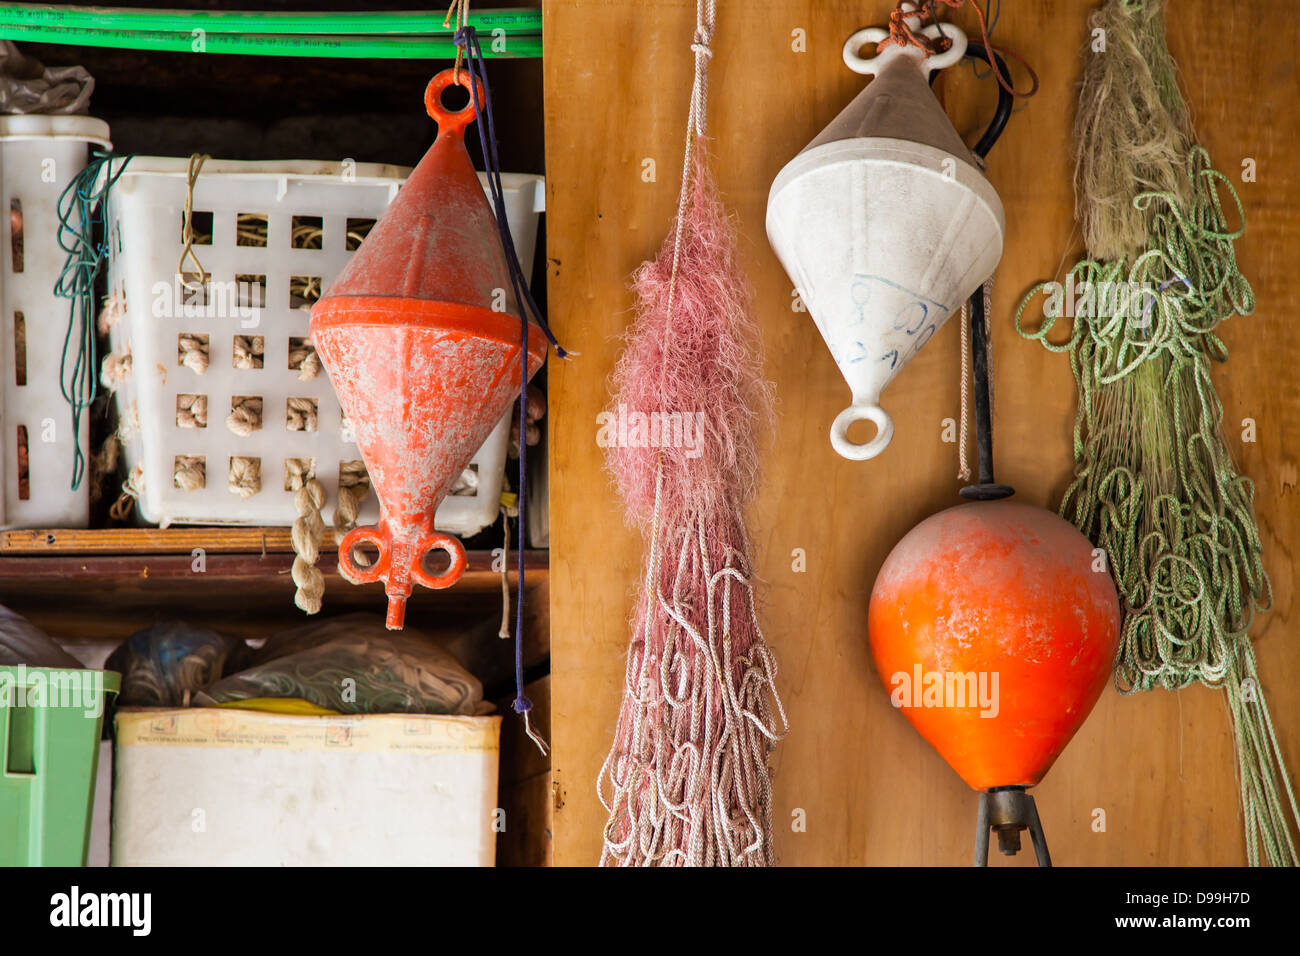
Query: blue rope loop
<point>81,211</point>
<point>467,38</point>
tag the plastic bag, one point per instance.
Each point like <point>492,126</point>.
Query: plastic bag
<point>354,665</point>
<point>28,86</point>
<point>22,642</point>
<point>167,664</point>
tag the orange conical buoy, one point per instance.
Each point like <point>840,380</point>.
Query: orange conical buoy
<point>994,628</point>
<point>423,364</point>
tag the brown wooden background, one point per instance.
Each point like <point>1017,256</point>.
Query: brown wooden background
<point>1160,765</point>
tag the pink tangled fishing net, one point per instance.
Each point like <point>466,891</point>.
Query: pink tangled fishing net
<point>699,359</point>
<point>686,781</point>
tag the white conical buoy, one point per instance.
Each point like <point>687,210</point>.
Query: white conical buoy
<point>886,225</point>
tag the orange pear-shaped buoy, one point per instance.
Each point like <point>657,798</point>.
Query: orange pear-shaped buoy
<point>994,628</point>
<point>422,342</point>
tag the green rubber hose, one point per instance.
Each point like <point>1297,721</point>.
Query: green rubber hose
<point>405,23</point>
<point>340,46</point>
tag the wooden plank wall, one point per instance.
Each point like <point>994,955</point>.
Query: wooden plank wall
<point>1160,765</point>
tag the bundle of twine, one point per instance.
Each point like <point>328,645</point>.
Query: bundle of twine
<point>1155,484</point>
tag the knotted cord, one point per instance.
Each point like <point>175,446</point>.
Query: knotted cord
<point>902,33</point>
<point>81,219</point>
<point>188,236</point>
<point>467,40</point>
<point>307,533</point>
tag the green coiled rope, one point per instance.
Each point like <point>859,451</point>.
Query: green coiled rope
<point>1155,485</point>
<point>81,237</point>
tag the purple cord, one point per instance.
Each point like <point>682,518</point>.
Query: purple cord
<point>467,37</point>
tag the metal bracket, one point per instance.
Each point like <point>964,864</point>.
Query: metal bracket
<point>1007,811</point>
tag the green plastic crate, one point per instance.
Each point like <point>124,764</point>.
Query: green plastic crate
<point>49,753</point>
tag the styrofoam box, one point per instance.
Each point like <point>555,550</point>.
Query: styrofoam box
<point>224,787</point>
<point>39,156</point>
<point>146,211</point>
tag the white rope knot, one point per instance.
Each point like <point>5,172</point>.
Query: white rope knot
<point>703,37</point>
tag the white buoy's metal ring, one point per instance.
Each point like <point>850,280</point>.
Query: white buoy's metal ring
<point>855,413</point>
<point>870,65</point>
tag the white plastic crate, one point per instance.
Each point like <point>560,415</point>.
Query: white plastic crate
<point>39,156</point>
<point>146,211</point>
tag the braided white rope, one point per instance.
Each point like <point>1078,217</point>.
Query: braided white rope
<point>988,337</point>
<point>696,122</point>
<point>963,459</point>
<point>661,795</point>
<point>307,532</point>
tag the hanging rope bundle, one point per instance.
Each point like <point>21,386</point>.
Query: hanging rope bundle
<point>197,280</point>
<point>1155,484</point>
<point>81,217</point>
<point>686,781</point>
<point>307,532</point>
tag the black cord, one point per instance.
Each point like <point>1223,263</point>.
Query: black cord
<point>987,489</point>
<point>1006,100</point>
<point>976,51</point>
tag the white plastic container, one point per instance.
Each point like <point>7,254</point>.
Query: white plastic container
<point>226,787</point>
<point>146,211</point>
<point>39,156</point>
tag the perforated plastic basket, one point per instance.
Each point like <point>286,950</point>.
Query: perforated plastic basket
<point>39,156</point>
<point>146,212</point>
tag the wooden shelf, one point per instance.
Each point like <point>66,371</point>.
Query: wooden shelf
<point>120,541</point>
<point>128,577</point>
<point>145,552</point>
<point>214,567</point>
<point>145,540</point>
